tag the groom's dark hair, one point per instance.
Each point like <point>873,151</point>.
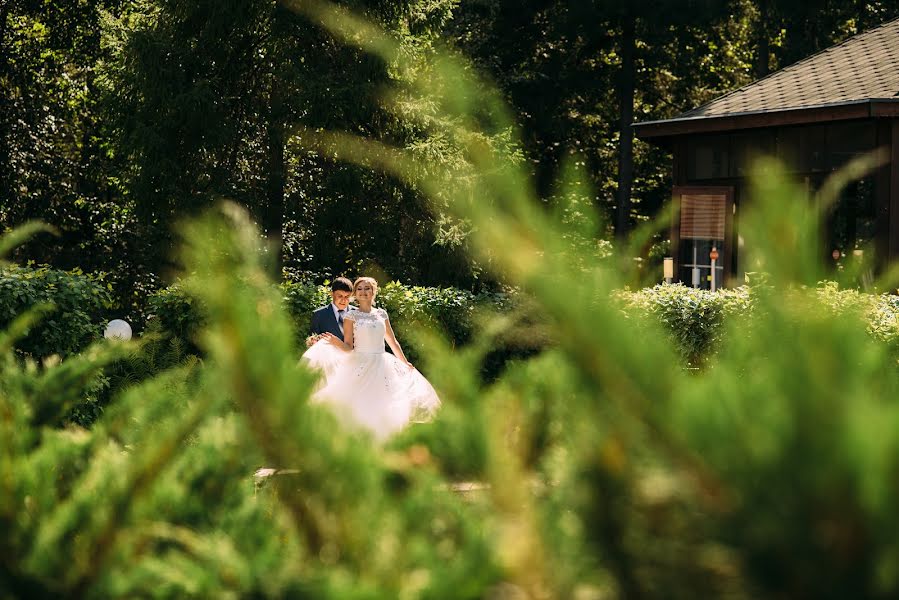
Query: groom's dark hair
<point>342,284</point>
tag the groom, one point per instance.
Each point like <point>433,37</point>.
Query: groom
<point>329,319</point>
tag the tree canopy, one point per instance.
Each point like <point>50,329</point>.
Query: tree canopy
<point>120,117</point>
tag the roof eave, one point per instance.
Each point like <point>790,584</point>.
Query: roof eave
<point>843,111</point>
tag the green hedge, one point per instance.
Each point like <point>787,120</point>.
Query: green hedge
<point>79,305</point>
<point>301,299</point>
<point>880,312</point>
<point>449,310</point>
<point>695,319</point>
<point>446,308</point>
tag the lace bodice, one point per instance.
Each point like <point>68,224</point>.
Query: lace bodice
<point>368,330</point>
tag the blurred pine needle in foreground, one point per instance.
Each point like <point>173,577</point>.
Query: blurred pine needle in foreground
<point>598,469</point>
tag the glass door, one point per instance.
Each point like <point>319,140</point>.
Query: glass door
<point>697,267</point>
<point>705,216</point>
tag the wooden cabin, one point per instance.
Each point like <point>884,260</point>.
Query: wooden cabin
<point>814,116</point>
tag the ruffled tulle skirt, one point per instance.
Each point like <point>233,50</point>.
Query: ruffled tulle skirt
<point>373,391</point>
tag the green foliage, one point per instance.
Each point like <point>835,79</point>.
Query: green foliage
<point>598,465</point>
<point>300,299</point>
<point>602,468</point>
<point>123,115</point>
<point>76,302</point>
<point>693,318</point>
<point>455,313</point>
<point>734,474</point>
<point>54,163</point>
<point>176,313</point>
<point>879,312</point>
<point>449,309</point>
<point>699,322</point>
<point>560,64</point>
<point>156,353</point>
<point>235,109</point>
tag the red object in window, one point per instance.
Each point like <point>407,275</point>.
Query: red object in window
<point>714,253</point>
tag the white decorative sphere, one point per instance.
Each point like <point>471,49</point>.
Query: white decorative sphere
<point>118,329</point>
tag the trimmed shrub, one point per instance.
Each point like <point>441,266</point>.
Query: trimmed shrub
<point>167,342</point>
<point>694,318</point>
<point>447,308</point>
<point>883,320</point>
<point>79,301</point>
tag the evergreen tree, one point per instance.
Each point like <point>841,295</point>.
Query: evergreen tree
<point>563,68</point>
<point>203,115</point>
<point>789,31</point>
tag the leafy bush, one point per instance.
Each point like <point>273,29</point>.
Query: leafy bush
<point>78,303</point>
<point>301,299</point>
<point>602,469</point>
<point>176,313</point>
<point>157,353</point>
<point>696,321</point>
<point>598,447</point>
<point>879,312</point>
<point>77,307</point>
<point>699,321</point>
<point>448,310</point>
<point>693,318</point>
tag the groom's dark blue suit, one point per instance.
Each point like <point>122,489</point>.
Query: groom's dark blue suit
<point>323,320</point>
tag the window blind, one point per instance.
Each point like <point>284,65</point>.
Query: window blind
<point>702,216</point>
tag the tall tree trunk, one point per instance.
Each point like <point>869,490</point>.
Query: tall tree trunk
<point>6,109</point>
<point>625,131</point>
<point>272,217</point>
<point>762,43</point>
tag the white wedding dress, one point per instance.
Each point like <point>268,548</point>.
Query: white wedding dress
<point>368,387</point>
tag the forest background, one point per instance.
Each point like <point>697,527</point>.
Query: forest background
<point>597,462</point>
<point>121,117</point>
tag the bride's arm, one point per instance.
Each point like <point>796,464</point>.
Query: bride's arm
<point>394,344</point>
<point>347,343</point>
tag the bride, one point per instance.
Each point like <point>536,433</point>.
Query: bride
<point>364,385</point>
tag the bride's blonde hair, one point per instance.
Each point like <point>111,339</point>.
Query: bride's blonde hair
<point>371,280</point>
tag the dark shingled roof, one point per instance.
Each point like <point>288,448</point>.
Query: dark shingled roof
<point>862,69</point>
